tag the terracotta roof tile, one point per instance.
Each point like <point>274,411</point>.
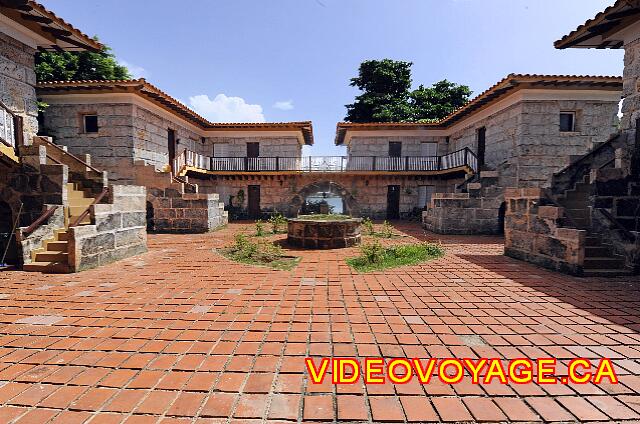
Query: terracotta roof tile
<point>149,91</point>
<point>506,85</point>
<point>604,17</point>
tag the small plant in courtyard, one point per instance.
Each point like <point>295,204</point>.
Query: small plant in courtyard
<point>260,231</point>
<point>387,230</point>
<point>373,253</point>
<point>278,224</point>
<point>375,257</point>
<point>261,253</point>
<point>367,225</point>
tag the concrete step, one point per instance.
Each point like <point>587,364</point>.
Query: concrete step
<point>49,256</point>
<point>605,262</point>
<point>597,251</point>
<point>620,272</point>
<point>85,221</point>
<point>62,235</point>
<point>57,246</point>
<point>47,267</point>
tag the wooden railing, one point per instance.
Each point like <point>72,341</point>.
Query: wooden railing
<point>38,222</point>
<point>10,127</point>
<point>84,214</point>
<point>459,159</point>
<point>60,156</point>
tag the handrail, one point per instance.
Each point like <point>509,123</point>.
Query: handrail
<point>460,158</point>
<point>591,153</point>
<point>86,211</point>
<point>38,222</point>
<point>72,156</point>
<point>607,164</point>
<point>627,234</point>
<point>185,182</point>
<point>15,126</point>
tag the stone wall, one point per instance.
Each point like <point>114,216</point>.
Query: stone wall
<point>533,233</point>
<point>172,211</point>
<point>126,133</point>
<point>379,146</point>
<point>17,82</point>
<point>474,212</point>
<point>119,230</point>
<point>370,192</point>
<point>527,136</point>
<point>237,146</point>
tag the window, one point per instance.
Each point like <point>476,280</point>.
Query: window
<point>395,149</point>
<point>567,121</point>
<point>90,123</point>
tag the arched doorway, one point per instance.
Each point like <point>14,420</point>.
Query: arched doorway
<point>324,197</point>
<point>8,242</point>
<point>150,214</point>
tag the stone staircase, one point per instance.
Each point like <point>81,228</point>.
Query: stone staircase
<point>599,256</point>
<point>53,257</point>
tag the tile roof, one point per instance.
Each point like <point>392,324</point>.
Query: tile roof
<point>507,85</point>
<point>592,34</point>
<point>37,18</point>
<point>152,93</point>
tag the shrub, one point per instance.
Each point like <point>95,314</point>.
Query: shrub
<point>367,224</point>
<point>278,223</point>
<point>261,252</point>
<point>260,232</point>
<point>372,252</point>
<point>387,230</point>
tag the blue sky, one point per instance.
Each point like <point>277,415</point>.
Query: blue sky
<point>291,60</point>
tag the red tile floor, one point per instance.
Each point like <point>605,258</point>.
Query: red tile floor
<point>182,335</point>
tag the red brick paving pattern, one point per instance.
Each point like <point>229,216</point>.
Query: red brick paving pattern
<point>181,335</point>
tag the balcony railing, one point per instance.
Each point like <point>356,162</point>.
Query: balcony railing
<point>459,159</point>
<point>10,127</point>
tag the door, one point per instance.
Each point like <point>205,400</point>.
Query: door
<point>254,202</point>
<point>393,202</point>
<point>482,141</point>
<point>171,147</point>
<point>253,153</point>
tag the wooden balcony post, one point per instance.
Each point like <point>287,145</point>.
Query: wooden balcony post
<point>374,163</point>
<point>277,163</point>
<point>406,163</point>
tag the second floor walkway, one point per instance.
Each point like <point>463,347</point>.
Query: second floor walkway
<point>463,160</point>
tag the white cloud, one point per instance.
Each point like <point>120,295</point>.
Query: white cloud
<point>226,109</point>
<point>284,105</point>
<point>135,70</point>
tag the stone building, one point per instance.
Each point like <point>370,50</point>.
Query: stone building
<point>58,213</point>
<point>516,134</point>
<point>588,223</point>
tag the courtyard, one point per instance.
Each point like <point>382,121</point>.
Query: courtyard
<point>181,334</point>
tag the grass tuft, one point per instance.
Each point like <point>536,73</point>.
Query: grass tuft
<point>374,257</point>
<point>261,253</point>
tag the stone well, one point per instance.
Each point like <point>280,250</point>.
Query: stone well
<point>312,233</point>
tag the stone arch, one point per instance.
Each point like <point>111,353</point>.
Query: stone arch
<point>350,203</point>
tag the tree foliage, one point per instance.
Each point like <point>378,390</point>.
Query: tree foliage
<point>77,66</point>
<point>387,95</point>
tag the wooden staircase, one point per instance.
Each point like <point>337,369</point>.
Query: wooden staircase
<point>599,259</point>
<point>53,257</point>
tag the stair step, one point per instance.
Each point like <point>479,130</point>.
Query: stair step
<point>47,267</point>
<point>604,262</point>
<point>597,251</point>
<point>83,203</point>
<point>85,221</point>
<point>57,246</point>
<point>49,256</point>
<point>62,235</point>
<point>619,272</point>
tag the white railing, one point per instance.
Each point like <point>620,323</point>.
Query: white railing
<point>459,159</point>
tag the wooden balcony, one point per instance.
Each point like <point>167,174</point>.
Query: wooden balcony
<point>461,160</point>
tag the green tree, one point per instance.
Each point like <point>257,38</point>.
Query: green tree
<point>438,101</point>
<point>385,85</point>
<point>387,96</point>
<point>77,66</point>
